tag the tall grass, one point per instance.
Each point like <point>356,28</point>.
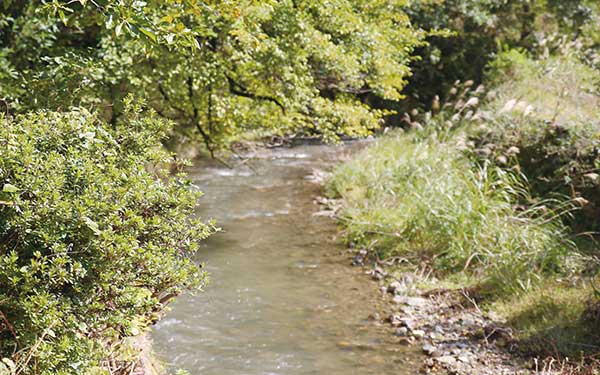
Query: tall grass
<point>426,201</point>
<point>544,117</point>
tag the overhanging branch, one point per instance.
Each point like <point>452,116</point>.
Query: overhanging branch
<point>240,90</point>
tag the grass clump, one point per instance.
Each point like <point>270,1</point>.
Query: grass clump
<point>543,117</point>
<point>553,320</point>
<point>496,189</point>
<point>423,199</point>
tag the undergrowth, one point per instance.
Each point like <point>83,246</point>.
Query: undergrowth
<point>495,190</point>
<point>425,200</point>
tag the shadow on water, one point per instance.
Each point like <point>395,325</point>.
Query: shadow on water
<point>282,297</point>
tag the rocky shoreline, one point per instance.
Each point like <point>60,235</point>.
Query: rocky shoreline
<point>455,335</point>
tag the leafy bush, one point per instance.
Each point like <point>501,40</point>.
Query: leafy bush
<point>95,237</point>
<point>422,199</point>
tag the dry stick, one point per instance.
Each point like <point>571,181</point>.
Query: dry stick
<point>34,348</point>
<point>558,101</point>
<point>10,327</point>
<point>468,263</point>
<point>472,301</point>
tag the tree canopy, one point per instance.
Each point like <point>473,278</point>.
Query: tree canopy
<point>217,68</point>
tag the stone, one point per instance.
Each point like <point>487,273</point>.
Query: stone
<point>374,317</point>
<point>418,333</point>
<point>446,360</point>
<point>395,320</point>
<point>394,287</point>
<point>402,332</point>
<point>410,301</point>
<point>429,349</point>
<point>408,323</point>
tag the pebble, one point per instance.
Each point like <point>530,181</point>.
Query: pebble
<point>410,301</point>
<point>408,323</point>
<point>464,359</point>
<point>395,320</point>
<point>394,287</point>
<point>446,360</point>
<point>402,331</point>
<point>429,349</point>
<point>418,333</point>
<point>375,317</point>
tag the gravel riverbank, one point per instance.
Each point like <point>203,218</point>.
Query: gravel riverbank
<point>455,335</point>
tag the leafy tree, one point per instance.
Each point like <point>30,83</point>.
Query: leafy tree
<point>219,69</point>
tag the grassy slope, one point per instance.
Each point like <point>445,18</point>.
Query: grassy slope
<point>424,198</point>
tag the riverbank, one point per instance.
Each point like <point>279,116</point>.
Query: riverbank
<point>488,208</point>
<point>452,318</point>
<point>447,325</point>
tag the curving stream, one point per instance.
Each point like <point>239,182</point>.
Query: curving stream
<point>282,298</point>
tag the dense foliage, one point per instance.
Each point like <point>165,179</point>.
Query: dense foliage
<point>543,117</point>
<point>218,69</point>
<point>480,29</point>
<point>92,244</point>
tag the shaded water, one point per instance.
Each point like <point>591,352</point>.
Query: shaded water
<point>282,297</point>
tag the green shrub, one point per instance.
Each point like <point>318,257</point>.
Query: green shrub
<point>424,200</point>
<point>95,237</point>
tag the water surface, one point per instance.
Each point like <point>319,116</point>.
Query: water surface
<point>282,298</point>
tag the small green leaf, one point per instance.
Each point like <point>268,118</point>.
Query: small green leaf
<point>8,188</point>
<point>119,28</point>
<point>92,225</point>
<point>62,16</point>
<point>149,34</point>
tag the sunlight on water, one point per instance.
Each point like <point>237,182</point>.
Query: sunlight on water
<point>282,298</point>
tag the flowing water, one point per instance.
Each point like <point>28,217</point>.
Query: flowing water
<point>282,298</point>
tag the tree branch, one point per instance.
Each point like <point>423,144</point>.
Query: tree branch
<point>240,90</point>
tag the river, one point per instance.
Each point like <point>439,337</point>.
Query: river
<point>283,298</point>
